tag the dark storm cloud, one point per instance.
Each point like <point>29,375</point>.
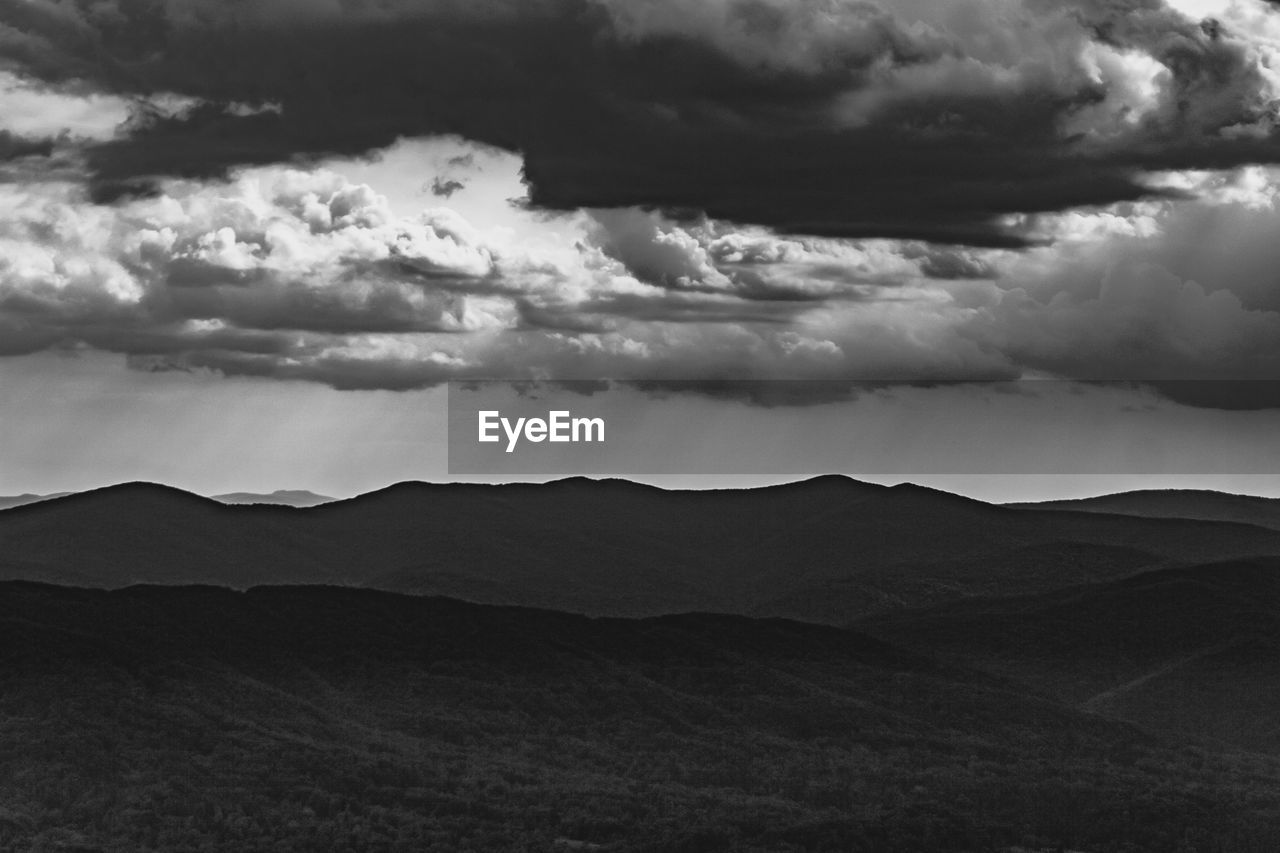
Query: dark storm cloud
<point>1229,394</point>
<point>13,147</point>
<point>811,116</point>
<point>1223,394</point>
<point>763,133</point>
<point>445,188</point>
<point>767,393</point>
<point>20,337</point>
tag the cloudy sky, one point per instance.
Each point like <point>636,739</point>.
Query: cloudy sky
<point>243,244</point>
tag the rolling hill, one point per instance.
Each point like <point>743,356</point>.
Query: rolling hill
<point>829,549</point>
<point>329,719</point>
<point>1191,650</point>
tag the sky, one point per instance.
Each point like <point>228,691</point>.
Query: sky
<point>245,246</point>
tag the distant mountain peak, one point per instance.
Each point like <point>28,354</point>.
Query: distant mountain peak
<point>283,497</point>
<point>1191,504</point>
<point>10,501</point>
<point>129,491</point>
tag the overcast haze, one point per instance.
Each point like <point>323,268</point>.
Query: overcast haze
<point>243,244</point>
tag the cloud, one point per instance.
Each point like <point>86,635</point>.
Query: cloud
<point>14,147</point>
<point>444,188</point>
<point>298,273</point>
<point>844,118</point>
<point>34,111</point>
<point>223,266</point>
<point>1177,293</point>
<point>759,265</point>
<point>302,274</point>
<point>1142,322</point>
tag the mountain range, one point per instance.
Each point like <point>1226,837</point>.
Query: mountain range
<point>601,665</point>
<point>830,549</point>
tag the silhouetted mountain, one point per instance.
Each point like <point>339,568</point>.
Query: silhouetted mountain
<point>1198,504</point>
<point>327,719</point>
<point>284,497</point>
<point>1194,650</point>
<point>7,501</point>
<point>830,549</point>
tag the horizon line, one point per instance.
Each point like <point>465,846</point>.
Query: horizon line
<point>246,495</point>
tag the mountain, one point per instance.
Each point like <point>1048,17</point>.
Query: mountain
<point>829,549</point>
<point>1191,650</point>
<point>7,501</point>
<point>285,497</point>
<point>1197,504</point>
<point>329,719</point>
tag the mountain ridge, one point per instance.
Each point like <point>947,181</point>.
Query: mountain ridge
<point>829,549</point>
<point>286,497</point>
<point>1197,504</point>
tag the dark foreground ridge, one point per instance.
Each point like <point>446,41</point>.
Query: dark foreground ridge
<point>827,550</point>
<point>1190,650</point>
<point>319,718</point>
